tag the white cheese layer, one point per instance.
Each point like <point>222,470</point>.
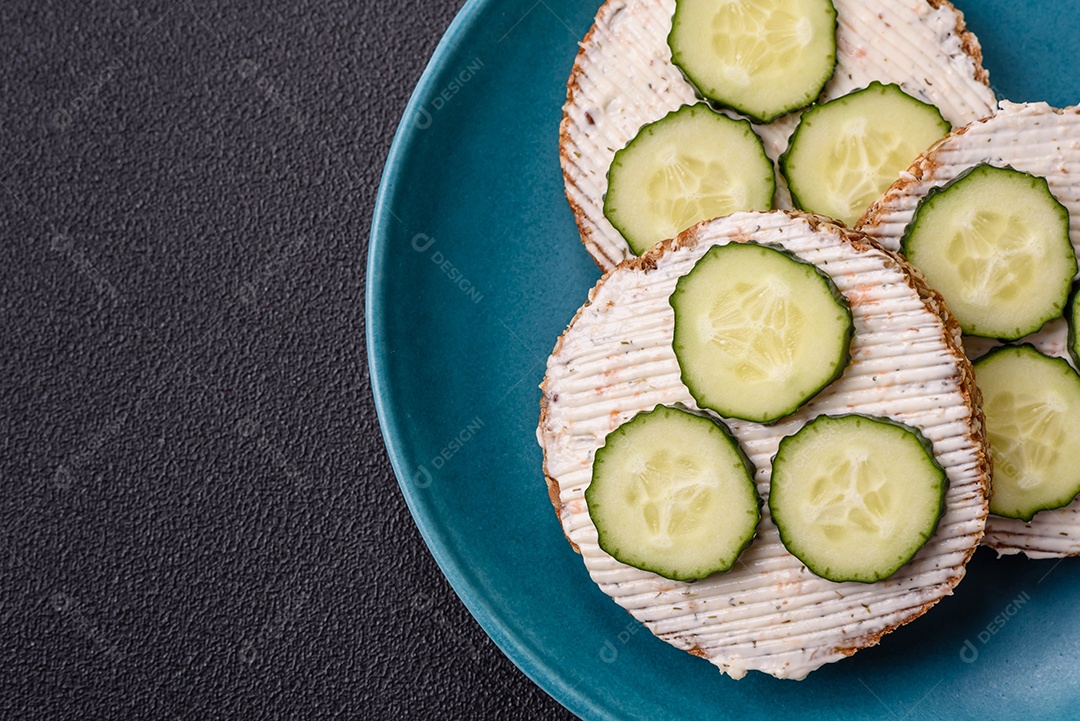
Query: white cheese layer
<point>1043,141</point>
<point>769,613</point>
<point>623,79</point>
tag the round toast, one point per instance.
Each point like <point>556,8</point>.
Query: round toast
<point>623,78</point>
<point>769,613</point>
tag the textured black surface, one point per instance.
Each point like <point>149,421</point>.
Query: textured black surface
<point>198,518</point>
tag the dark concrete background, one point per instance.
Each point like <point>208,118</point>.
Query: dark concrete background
<point>198,519</point>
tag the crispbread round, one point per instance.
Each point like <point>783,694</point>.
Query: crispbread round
<point>1043,141</point>
<point>769,613</point>
<point>623,78</point>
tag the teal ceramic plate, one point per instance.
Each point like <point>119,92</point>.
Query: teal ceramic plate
<point>475,269</point>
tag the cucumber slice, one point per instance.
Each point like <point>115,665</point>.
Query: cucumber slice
<point>854,497</point>
<point>672,493</point>
<point>758,332</point>
<point>763,58</point>
<point>995,243</point>
<point>847,152</point>
<point>691,165</point>
<point>1032,407</point>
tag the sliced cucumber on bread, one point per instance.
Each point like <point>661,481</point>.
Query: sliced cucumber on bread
<point>692,165</point>
<point>758,332</point>
<point>855,498</point>
<point>624,78</point>
<point>672,493</point>
<point>763,58</point>
<point>1032,407</point>
<point>617,360</point>
<point>995,243</point>
<point>847,152</point>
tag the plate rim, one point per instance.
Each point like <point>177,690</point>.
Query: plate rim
<point>543,674</point>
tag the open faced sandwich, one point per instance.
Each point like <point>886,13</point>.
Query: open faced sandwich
<point>638,167</point>
<point>765,441</point>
